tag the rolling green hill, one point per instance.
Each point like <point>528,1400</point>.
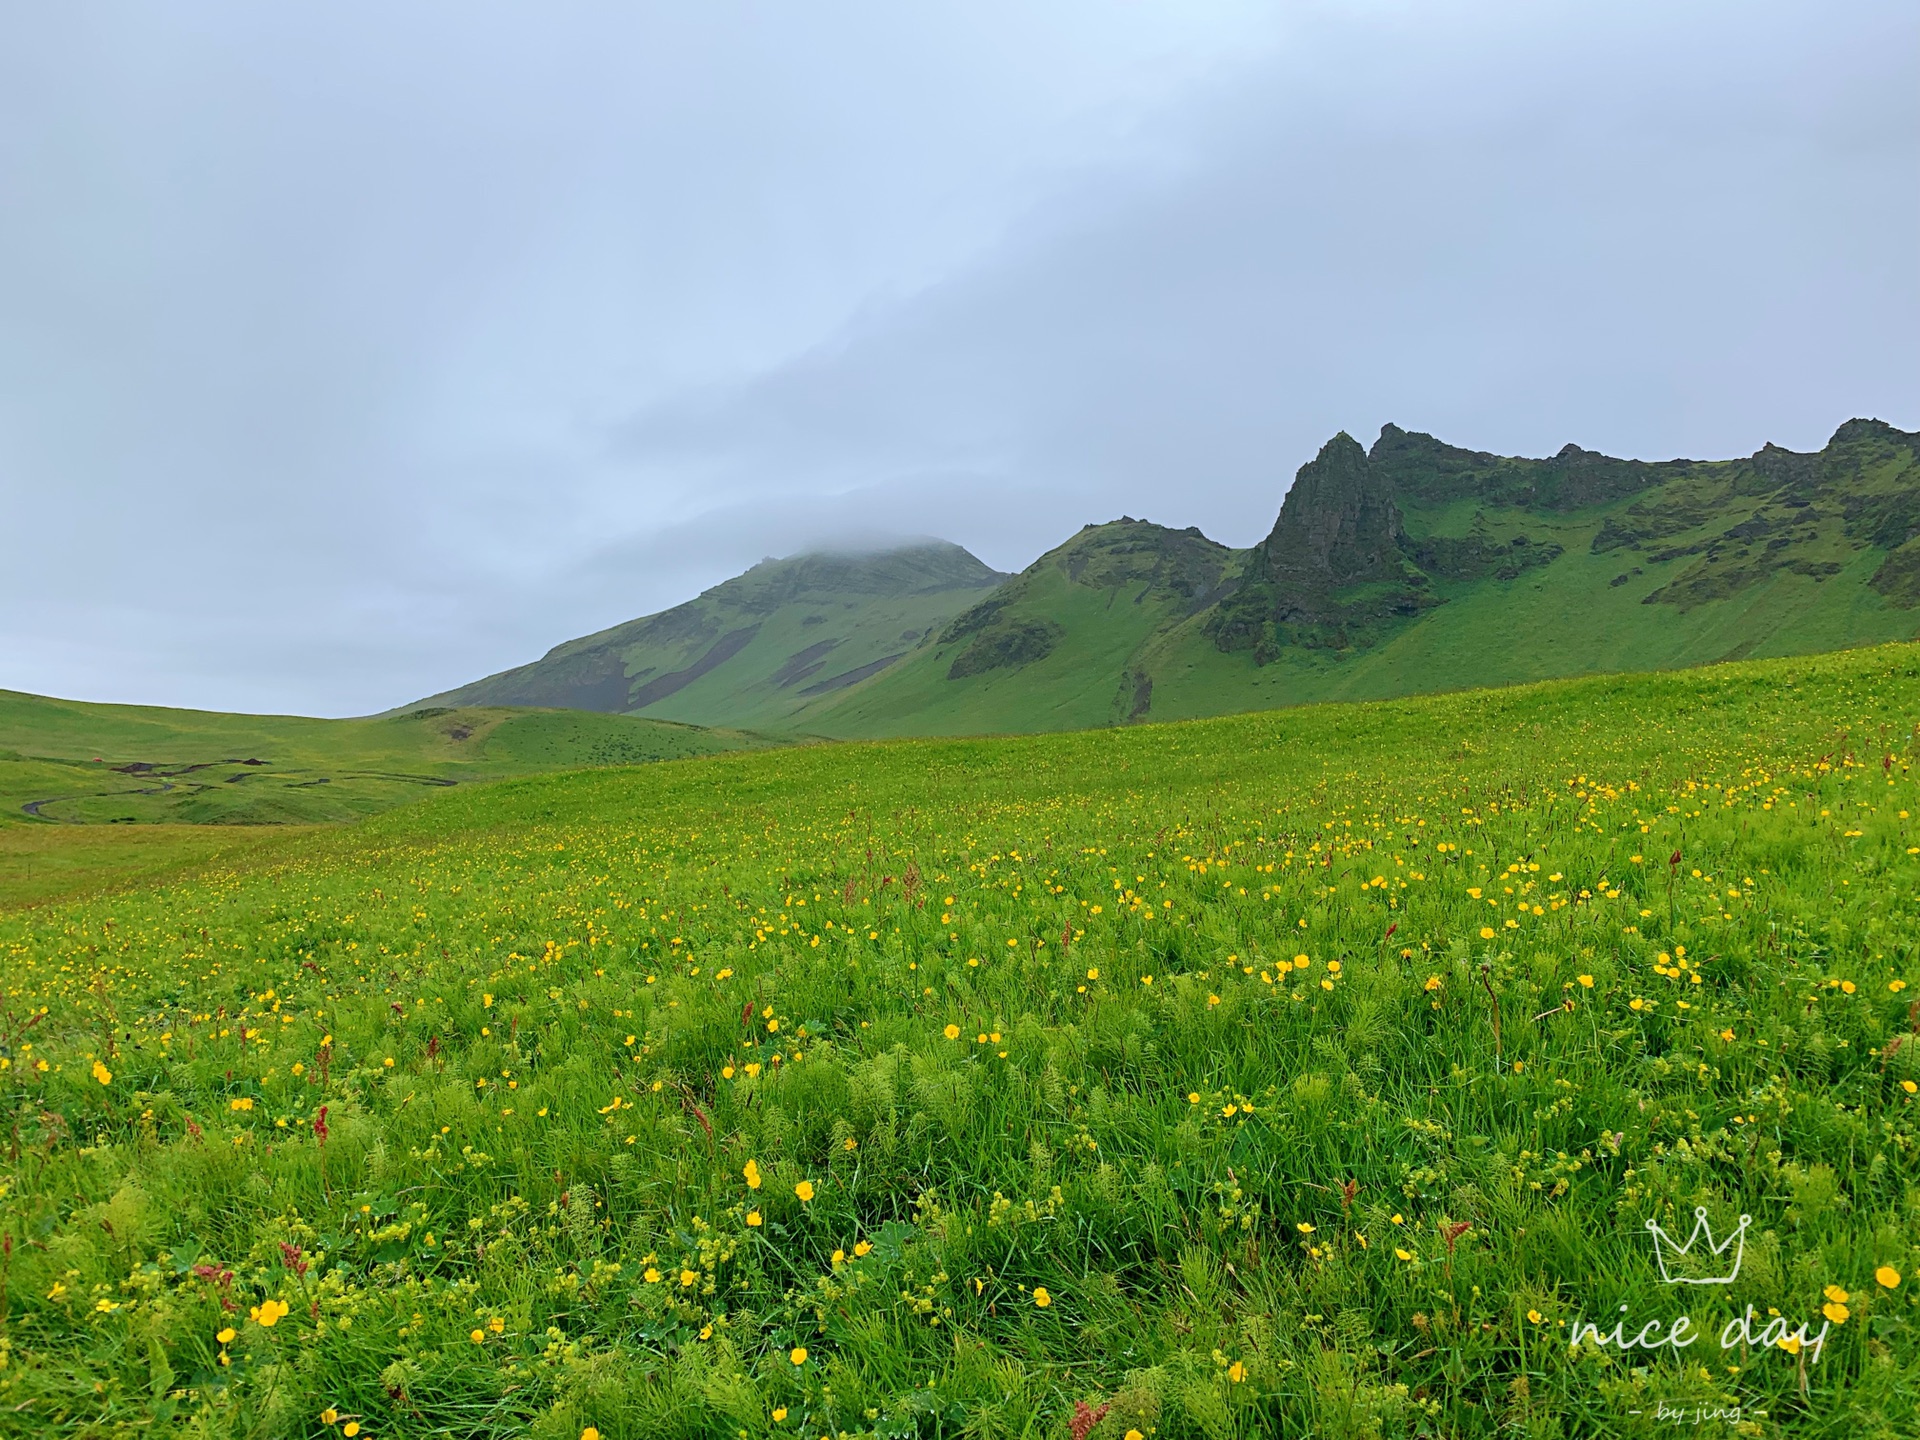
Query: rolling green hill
<point>98,794</point>
<point>65,760</point>
<point>1418,566</point>
<point>757,649</point>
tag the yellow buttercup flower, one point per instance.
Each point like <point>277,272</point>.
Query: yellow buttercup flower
<point>1041,1297</point>
<point>804,1190</point>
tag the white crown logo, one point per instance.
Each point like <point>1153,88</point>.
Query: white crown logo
<point>1666,1249</point>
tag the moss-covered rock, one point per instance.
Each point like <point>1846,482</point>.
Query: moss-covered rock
<point>1898,577</point>
<point>1006,646</point>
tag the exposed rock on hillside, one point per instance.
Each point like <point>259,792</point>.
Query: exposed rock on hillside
<point>1341,568</point>
<point>1334,567</point>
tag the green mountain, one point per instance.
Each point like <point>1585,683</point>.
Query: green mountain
<point>1419,566</point>
<point>1054,648</point>
<point>1409,567</point>
<point>758,650</point>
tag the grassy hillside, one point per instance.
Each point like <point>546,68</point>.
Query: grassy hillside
<point>71,761</point>
<point>1417,567</point>
<point>1566,617</point>
<point>1051,649</point>
<point>66,767</point>
<point>757,649</point>
<point>1309,1072</point>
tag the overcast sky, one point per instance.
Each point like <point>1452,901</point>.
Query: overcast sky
<point>349,352</point>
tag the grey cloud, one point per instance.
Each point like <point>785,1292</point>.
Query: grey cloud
<point>1506,247</point>
<point>347,356</point>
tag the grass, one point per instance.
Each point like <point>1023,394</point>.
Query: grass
<point>1309,1072</point>
<point>1078,686</point>
<point>47,862</point>
<point>93,794</point>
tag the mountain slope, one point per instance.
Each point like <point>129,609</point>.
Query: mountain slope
<point>754,650</point>
<point>1419,566</point>
<point>1051,649</point>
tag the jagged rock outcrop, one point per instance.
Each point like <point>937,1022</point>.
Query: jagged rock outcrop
<point>1334,567</point>
<point>1341,569</point>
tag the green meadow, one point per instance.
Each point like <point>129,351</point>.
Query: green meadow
<point>1309,1072</point>
<point>92,794</point>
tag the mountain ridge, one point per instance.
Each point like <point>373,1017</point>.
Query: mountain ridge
<point>1419,565</point>
<point>1412,564</point>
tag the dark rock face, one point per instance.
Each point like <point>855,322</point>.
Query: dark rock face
<point>1006,646</point>
<point>1898,577</point>
<point>1340,570</point>
<point>1478,554</point>
<point>1334,568</point>
<point>1338,526</point>
<point>1797,515</point>
<point>1153,560</point>
<point>1779,467</point>
<point>1422,468</point>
